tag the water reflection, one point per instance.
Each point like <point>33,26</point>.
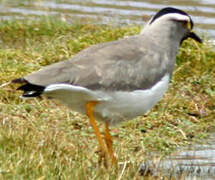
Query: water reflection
<point>195,162</point>
<point>119,11</point>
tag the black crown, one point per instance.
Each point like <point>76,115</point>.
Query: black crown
<point>169,10</point>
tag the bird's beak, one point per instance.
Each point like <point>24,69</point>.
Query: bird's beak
<point>192,35</point>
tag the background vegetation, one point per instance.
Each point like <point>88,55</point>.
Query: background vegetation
<point>41,139</point>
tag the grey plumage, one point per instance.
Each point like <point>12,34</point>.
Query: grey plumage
<point>119,80</point>
<point>136,62</point>
<point>98,66</point>
<point>130,62</point>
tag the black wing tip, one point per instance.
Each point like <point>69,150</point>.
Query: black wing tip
<point>30,90</point>
<point>31,94</point>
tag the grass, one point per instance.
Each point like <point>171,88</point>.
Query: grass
<point>41,139</point>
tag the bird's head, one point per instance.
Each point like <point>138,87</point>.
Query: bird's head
<point>176,22</point>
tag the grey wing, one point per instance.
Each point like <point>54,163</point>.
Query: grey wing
<point>124,65</point>
<point>120,65</point>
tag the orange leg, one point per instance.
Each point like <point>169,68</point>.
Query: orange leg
<point>109,143</point>
<point>89,111</point>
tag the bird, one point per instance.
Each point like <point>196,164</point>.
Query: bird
<point>119,80</point>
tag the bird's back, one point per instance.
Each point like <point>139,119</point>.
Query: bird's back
<point>129,61</point>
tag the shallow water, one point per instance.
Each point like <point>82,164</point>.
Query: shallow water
<point>111,11</point>
<point>197,160</point>
<point>194,162</point>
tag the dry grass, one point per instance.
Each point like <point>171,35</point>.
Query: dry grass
<point>41,139</point>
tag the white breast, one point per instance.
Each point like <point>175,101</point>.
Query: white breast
<point>112,106</point>
<point>127,105</point>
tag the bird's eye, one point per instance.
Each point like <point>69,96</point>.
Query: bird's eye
<point>186,24</point>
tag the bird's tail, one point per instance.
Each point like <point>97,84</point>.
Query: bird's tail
<point>30,90</point>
